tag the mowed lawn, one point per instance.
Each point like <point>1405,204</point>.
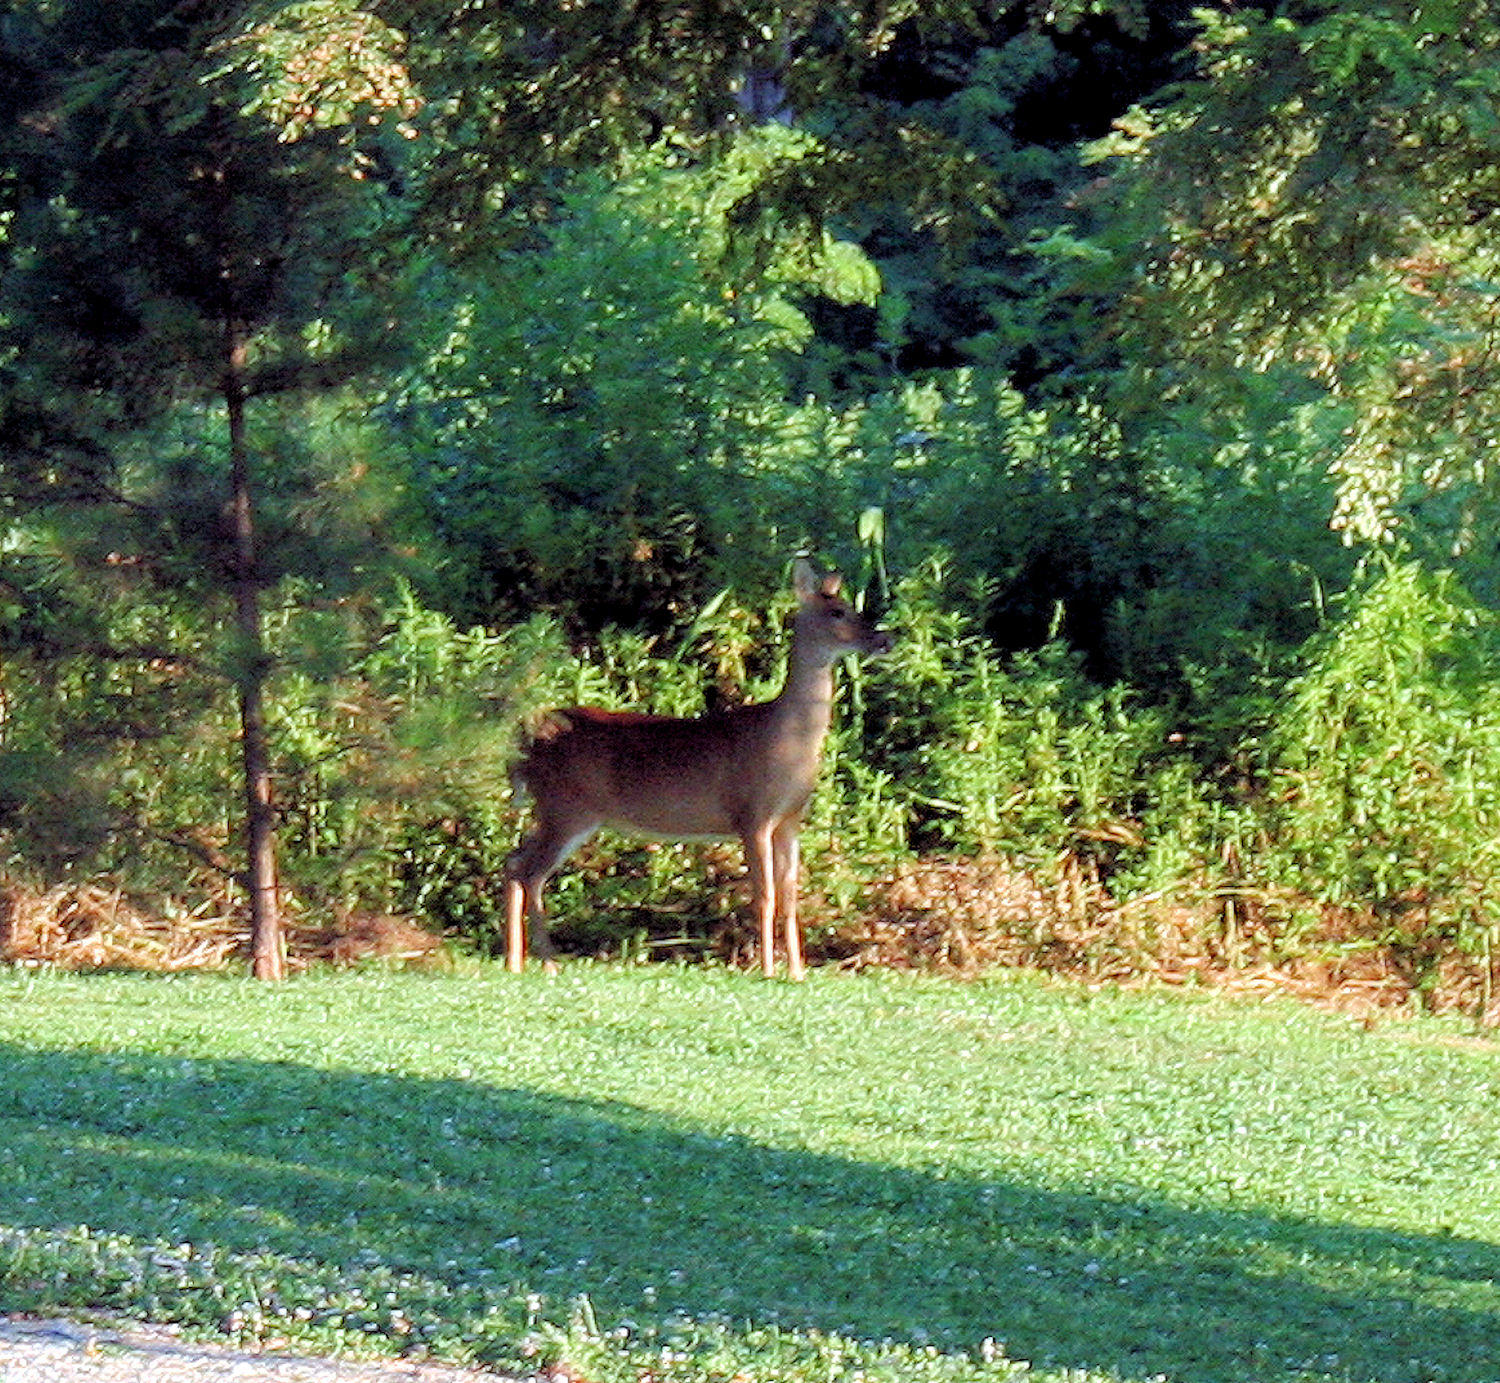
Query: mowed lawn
<point>696,1174</point>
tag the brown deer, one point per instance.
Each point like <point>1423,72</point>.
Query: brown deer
<point>745,771</point>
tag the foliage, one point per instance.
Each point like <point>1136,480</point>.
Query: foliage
<point>602,410</point>
<point>686,295</point>
<point>322,64</point>
<point>1385,771</point>
<point>403,737</point>
<point>1182,553</point>
<point>597,91</point>
<point>1027,757</point>
<point>1014,293</point>
<point>131,240</point>
<point>120,647</point>
<point>939,746</point>
<point>388,725</point>
<point>688,1173</point>
<point>1323,198</point>
<point>165,255</point>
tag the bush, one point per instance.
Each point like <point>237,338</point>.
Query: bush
<point>1182,552</point>
<point>1383,766</point>
<point>1023,755</point>
<point>600,413</point>
<point>1353,814</point>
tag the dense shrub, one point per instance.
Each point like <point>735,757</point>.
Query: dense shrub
<point>1383,764</point>
<point>1180,552</point>
<point>1355,815</point>
<point>1021,755</point>
<point>604,406</point>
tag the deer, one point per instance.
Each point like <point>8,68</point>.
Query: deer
<point>741,771</point>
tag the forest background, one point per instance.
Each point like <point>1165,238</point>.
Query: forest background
<point>372,375</point>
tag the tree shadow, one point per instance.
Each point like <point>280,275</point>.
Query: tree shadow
<point>457,1182</point>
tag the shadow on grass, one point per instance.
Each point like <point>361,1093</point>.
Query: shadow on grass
<point>461,1182</point>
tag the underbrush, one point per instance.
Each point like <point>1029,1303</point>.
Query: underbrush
<point>1330,828</point>
<point>962,916</point>
<point>978,811</point>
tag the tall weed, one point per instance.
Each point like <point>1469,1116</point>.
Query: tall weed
<point>1385,764</point>
<point>1023,756</point>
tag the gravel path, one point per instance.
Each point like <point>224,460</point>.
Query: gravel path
<point>59,1351</point>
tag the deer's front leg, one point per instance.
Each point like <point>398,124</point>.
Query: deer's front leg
<point>784,859</point>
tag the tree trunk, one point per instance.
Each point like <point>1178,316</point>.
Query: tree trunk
<point>267,946</point>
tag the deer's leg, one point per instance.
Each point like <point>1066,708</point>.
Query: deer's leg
<point>784,858</point>
<point>760,862</point>
<point>526,874</point>
<point>515,938</point>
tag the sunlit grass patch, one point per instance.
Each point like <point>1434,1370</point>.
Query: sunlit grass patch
<point>700,1174</point>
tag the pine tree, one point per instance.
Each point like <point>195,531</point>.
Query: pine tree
<point>164,253</point>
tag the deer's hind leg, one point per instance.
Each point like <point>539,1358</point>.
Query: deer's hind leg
<point>761,869</point>
<point>534,861</point>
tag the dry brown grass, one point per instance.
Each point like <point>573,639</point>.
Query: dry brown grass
<point>968,915</point>
<point>89,927</point>
<point>959,915</point>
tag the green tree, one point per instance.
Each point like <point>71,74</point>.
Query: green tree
<point>504,95</point>
<point>604,409</point>
<point>167,258</point>
<point>1320,202</point>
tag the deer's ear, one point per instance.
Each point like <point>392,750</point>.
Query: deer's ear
<point>804,579</point>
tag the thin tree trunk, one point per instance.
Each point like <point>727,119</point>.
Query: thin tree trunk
<point>267,947</point>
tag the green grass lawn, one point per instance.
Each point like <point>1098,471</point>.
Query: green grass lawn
<point>694,1174</point>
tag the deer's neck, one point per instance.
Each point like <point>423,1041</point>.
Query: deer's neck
<point>805,705</point>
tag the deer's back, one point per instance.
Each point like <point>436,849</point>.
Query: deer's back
<point>716,774</point>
